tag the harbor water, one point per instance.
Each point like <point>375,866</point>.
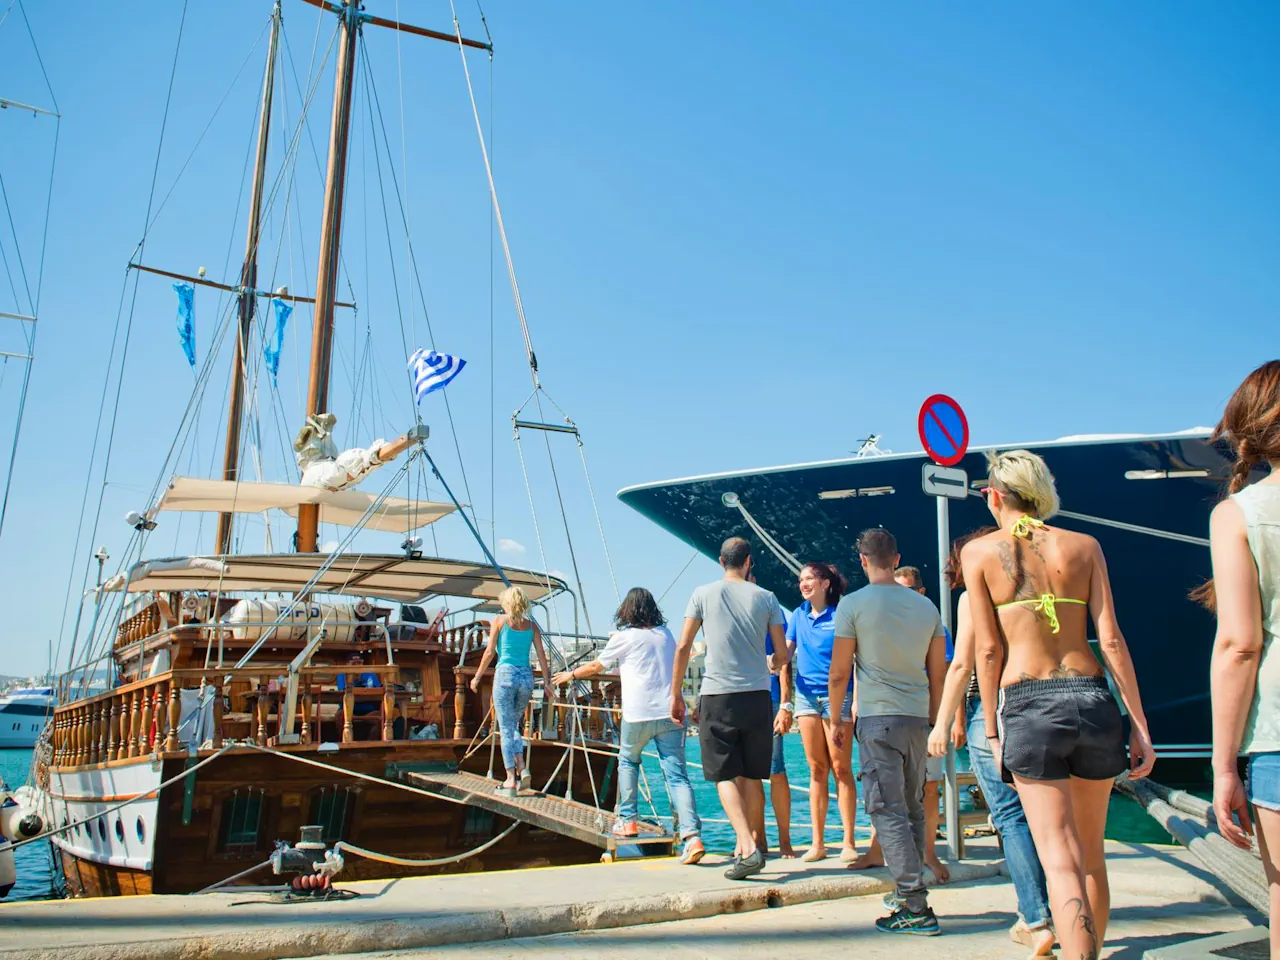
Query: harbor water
<point>34,862</point>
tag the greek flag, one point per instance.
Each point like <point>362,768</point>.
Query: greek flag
<point>433,371</point>
<point>271,352</point>
<point>187,320</point>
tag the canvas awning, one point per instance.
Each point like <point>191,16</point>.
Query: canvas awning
<point>341,507</point>
<point>391,577</point>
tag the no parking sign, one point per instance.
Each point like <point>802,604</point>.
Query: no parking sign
<point>944,430</point>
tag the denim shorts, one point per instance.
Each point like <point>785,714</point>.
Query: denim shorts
<point>1262,781</point>
<point>809,705</point>
<point>778,762</point>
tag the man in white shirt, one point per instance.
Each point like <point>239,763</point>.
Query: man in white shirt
<point>644,651</point>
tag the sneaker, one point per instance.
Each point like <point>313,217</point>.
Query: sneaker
<point>626,828</point>
<point>693,851</point>
<point>892,901</point>
<point>745,867</point>
<point>902,920</point>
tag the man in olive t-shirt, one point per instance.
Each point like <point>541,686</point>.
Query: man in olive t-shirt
<point>900,650</point>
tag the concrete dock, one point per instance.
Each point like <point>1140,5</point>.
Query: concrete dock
<point>630,909</point>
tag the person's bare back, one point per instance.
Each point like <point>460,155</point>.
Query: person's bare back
<point>1037,580</point>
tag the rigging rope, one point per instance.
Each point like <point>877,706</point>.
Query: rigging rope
<point>787,558</point>
<point>124,352</point>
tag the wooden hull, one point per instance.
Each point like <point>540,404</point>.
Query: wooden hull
<point>227,816</point>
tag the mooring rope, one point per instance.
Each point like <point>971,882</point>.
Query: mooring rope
<point>1192,825</point>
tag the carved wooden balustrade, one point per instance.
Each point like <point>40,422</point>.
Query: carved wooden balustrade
<point>142,718</point>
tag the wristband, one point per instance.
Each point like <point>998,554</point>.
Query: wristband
<point>789,707</point>
<point>993,736</point>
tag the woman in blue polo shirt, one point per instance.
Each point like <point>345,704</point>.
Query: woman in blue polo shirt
<point>810,633</point>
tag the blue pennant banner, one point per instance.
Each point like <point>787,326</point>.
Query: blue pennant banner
<point>187,320</point>
<point>272,351</point>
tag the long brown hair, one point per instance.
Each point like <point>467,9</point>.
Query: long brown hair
<point>955,575</point>
<point>1250,424</point>
<point>639,610</point>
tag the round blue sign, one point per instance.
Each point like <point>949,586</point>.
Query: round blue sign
<point>944,430</point>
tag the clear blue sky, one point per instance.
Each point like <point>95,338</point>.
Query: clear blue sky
<point>746,234</point>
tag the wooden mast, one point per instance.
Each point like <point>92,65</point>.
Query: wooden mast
<point>330,238</point>
<point>248,284</point>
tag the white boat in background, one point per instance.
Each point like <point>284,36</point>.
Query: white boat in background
<point>24,711</point>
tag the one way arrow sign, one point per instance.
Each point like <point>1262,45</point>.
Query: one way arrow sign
<point>949,482</point>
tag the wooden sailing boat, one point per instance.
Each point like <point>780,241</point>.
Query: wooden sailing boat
<point>260,693</point>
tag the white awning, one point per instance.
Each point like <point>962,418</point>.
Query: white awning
<point>391,577</point>
<point>341,507</point>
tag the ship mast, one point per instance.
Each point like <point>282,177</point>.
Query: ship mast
<point>248,284</point>
<point>349,13</point>
<point>330,238</point>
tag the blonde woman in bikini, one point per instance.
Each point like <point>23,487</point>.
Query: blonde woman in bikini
<point>1052,722</point>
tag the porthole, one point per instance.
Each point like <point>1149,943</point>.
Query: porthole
<point>102,829</point>
<point>119,830</point>
<point>141,830</point>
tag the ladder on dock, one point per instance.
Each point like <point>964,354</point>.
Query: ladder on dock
<point>569,818</point>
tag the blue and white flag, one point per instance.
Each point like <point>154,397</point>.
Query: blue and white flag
<point>187,320</point>
<point>272,353</point>
<point>432,371</point>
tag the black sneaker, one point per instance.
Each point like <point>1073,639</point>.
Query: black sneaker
<point>903,920</point>
<point>744,867</point>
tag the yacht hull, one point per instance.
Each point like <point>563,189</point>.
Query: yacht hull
<point>1147,500</point>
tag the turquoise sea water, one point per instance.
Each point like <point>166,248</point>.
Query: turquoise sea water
<point>34,862</point>
<point>1125,820</point>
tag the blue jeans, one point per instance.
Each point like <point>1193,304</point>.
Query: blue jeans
<point>1263,780</point>
<point>512,688</point>
<point>1006,812</point>
<point>668,737</point>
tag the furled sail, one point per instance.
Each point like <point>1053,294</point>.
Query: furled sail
<point>341,507</point>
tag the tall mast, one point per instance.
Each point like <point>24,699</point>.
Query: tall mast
<point>330,238</point>
<point>248,284</point>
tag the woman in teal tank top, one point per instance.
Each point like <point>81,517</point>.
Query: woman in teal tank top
<point>1244,675</point>
<point>511,636</point>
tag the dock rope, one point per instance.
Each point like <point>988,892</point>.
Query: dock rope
<point>1191,822</point>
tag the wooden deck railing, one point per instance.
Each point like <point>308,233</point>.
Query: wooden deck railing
<point>142,718</point>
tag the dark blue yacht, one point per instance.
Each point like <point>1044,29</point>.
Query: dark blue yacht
<point>1145,498</point>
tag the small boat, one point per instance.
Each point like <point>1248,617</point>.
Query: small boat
<point>24,711</point>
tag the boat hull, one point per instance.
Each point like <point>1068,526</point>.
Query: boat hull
<point>816,511</point>
<point>182,840</point>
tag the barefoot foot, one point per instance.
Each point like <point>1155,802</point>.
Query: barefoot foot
<point>940,869</point>
<point>786,851</point>
<point>866,862</point>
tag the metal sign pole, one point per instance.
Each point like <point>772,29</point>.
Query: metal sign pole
<point>951,799</point>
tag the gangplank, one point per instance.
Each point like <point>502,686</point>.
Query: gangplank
<point>569,818</point>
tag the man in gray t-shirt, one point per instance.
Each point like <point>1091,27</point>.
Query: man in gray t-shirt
<point>895,637</point>
<point>735,709</point>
